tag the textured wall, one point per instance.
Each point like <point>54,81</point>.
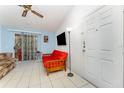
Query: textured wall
<point>7,40</point>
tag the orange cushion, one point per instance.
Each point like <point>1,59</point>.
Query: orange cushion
<point>53,64</point>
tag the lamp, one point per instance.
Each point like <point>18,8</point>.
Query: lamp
<point>70,74</point>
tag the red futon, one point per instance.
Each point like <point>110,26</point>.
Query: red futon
<point>54,61</point>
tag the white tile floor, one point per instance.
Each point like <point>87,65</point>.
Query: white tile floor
<point>32,75</point>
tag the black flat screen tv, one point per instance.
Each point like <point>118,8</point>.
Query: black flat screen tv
<point>61,39</point>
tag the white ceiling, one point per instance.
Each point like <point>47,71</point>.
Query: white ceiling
<point>10,15</point>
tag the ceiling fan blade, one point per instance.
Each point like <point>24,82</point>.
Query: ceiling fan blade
<point>26,6</point>
<point>36,13</point>
<point>29,6</point>
<point>24,13</point>
<point>21,5</point>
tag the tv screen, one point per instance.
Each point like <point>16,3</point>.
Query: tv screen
<point>61,39</point>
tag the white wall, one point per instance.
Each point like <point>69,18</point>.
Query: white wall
<point>75,20</point>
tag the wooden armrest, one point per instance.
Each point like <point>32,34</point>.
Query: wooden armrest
<point>47,54</point>
<point>55,61</point>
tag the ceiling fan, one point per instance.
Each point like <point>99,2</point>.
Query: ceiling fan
<point>28,8</point>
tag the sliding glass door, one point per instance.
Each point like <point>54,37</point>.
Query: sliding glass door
<point>25,46</point>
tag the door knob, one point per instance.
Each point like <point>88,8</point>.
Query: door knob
<point>84,50</point>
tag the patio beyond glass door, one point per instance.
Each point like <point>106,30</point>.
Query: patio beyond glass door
<point>25,46</point>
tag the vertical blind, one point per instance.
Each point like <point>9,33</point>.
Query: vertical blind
<point>26,46</point>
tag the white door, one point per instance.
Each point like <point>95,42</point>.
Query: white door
<point>104,44</point>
